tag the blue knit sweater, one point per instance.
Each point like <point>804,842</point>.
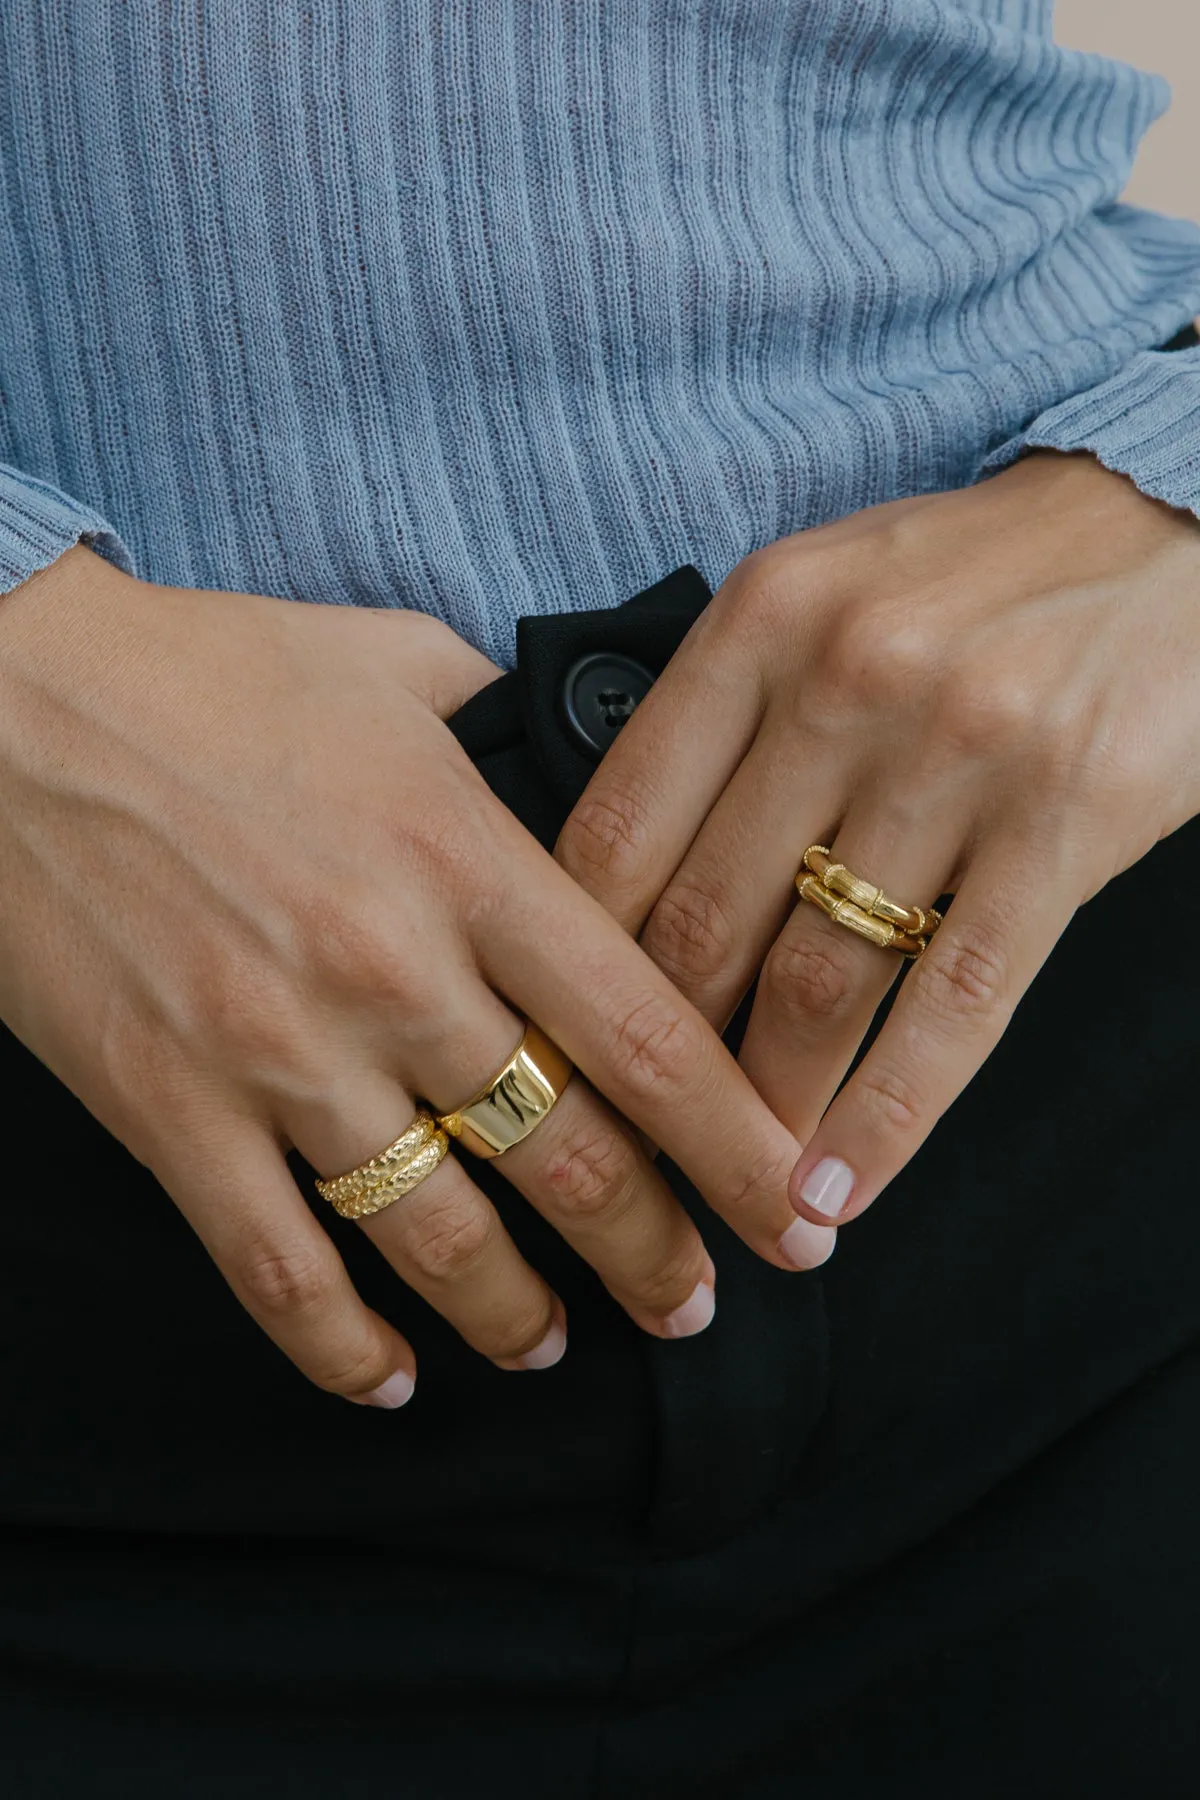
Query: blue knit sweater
<point>499,306</point>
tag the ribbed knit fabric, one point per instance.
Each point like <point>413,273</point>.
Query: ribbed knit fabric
<point>500,306</point>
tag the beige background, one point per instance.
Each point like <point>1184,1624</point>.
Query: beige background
<point>1163,35</point>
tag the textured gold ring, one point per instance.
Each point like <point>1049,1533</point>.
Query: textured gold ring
<point>514,1101</point>
<point>396,1171</point>
<point>917,920</point>
<point>856,919</point>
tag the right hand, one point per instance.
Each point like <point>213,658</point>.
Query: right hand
<point>256,896</point>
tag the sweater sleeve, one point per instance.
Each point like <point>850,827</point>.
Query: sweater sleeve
<point>39,522</point>
<point>1143,422</point>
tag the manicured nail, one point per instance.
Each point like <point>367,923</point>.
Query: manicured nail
<point>548,1352</point>
<point>803,1244</point>
<point>695,1313</point>
<point>828,1186</point>
<point>397,1390</point>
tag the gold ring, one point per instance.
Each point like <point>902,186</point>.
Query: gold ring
<point>395,1172</point>
<point>856,919</point>
<point>915,920</point>
<point>514,1101</point>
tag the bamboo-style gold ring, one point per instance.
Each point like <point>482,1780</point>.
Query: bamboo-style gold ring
<point>917,921</point>
<point>845,912</point>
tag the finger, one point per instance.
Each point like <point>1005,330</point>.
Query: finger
<point>240,1199</point>
<point>950,1014</point>
<point>715,920</point>
<point>444,1238</point>
<point>630,828</point>
<point>582,1170</point>
<point>646,1049</point>
<point>820,985</point>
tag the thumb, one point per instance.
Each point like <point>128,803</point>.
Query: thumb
<point>440,667</point>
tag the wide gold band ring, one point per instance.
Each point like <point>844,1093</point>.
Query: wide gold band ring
<point>915,920</point>
<point>396,1171</point>
<point>515,1100</point>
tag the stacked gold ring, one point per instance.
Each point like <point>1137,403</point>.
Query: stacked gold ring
<point>515,1100</point>
<point>395,1172</point>
<point>862,907</point>
<point>837,877</point>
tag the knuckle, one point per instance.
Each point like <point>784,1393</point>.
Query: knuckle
<point>810,973</point>
<point>331,923</point>
<point>236,1009</point>
<point>437,842</point>
<point>1086,767</point>
<point>654,1048</point>
<point>762,1185</point>
<point>963,978</point>
<point>759,593</point>
<point>980,710</point>
<point>689,934</point>
<point>142,1083</point>
<point>592,1172</point>
<point>360,951</point>
<point>445,1237</point>
<point>289,1282</point>
<point>254,1027</point>
<point>878,653</point>
<point>606,839</point>
<point>891,1100</point>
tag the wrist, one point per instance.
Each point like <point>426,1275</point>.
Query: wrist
<point>61,598</point>
<point>64,631</point>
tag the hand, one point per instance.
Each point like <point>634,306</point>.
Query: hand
<point>992,694</point>
<point>256,896</point>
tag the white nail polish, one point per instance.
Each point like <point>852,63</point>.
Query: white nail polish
<point>807,1246</point>
<point>397,1390</point>
<point>828,1186</point>
<point>695,1313</point>
<point>548,1352</point>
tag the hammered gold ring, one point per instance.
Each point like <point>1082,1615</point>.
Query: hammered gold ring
<point>516,1099</point>
<point>396,1171</point>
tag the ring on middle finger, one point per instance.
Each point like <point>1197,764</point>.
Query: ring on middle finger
<point>845,912</point>
<point>916,921</point>
<point>516,1099</point>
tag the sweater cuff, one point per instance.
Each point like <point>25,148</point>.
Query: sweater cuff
<point>39,522</point>
<point>1143,422</point>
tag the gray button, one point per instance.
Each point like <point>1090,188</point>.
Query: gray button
<point>600,692</point>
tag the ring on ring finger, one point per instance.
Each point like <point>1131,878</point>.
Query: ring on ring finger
<point>373,1185</point>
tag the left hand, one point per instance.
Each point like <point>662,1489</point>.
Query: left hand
<point>994,694</point>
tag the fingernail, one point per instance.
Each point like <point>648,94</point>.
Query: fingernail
<point>397,1390</point>
<point>548,1352</point>
<point>828,1186</point>
<point>695,1313</point>
<point>802,1245</point>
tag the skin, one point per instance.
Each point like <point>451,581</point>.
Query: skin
<point>255,896</point>
<point>993,694</point>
